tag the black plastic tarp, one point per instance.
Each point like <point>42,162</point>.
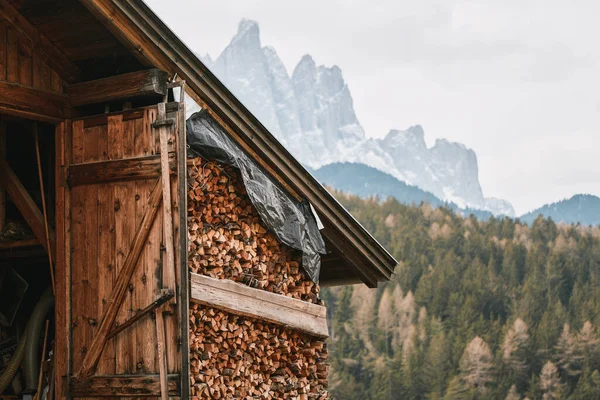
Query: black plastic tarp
<point>292,222</point>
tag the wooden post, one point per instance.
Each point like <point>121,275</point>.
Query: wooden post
<point>162,359</point>
<point>168,273</point>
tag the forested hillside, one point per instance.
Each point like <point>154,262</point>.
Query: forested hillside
<point>478,310</point>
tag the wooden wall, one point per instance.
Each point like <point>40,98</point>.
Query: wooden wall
<point>21,64</point>
<point>104,221</point>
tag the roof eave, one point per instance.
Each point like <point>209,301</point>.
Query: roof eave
<point>133,21</point>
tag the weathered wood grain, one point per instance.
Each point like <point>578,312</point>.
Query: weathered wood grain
<point>121,170</point>
<point>27,102</point>
<point>121,284</point>
<point>243,300</point>
<point>122,386</point>
<point>150,83</point>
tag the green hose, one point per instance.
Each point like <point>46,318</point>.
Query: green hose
<point>14,364</point>
<point>26,348</point>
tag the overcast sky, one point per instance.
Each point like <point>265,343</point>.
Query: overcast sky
<point>516,81</point>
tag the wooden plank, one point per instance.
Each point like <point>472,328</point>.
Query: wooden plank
<point>25,67</point>
<point>35,40</point>
<point>3,30</point>
<point>161,350</point>
<point>27,102</point>
<point>149,83</point>
<point>275,308</point>
<point>62,358</point>
<point>122,170</point>
<point>168,273</point>
<point>12,56</point>
<point>106,267</point>
<point>121,284</point>
<point>122,386</point>
<point>26,206</point>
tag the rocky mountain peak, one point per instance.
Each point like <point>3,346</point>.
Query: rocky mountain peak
<point>312,114</point>
<point>248,33</point>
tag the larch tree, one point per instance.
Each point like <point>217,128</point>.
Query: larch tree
<point>513,394</point>
<point>476,365</point>
<point>550,384</point>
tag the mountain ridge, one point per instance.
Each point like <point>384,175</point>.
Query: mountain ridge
<point>580,208</point>
<point>311,112</point>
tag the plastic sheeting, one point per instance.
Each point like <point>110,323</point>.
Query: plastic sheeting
<point>292,222</point>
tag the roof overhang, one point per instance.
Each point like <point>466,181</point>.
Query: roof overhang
<point>355,255</point>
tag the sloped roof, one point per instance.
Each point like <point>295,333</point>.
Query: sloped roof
<point>354,255</point>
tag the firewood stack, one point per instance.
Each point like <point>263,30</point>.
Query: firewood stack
<point>234,357</point>
<point>229,241</point>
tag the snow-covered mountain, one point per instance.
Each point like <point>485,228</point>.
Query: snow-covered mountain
<point>311,112</point>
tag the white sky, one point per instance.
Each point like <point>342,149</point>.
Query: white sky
<point>515,80</point>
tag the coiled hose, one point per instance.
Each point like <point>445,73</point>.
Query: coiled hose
<point>27,346</point>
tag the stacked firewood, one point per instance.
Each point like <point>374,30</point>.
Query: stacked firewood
<point>235,357</point>
<point>228,240</point>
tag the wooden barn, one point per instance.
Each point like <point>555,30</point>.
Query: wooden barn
<point>133,264</point>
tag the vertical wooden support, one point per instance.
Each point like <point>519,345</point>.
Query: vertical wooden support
<point>184,291</point>
<point>2,192</point>
<point>161,350</point>
<point>168,273</point>
<point>62,308</point>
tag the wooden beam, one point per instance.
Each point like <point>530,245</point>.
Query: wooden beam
<point>275,308</point>
<point>122,386</point>
<point>121,284</point>
<point>35,40</point>
<point>149,83</point>
<point>26,102</point>
<point>117,170</point>
<point>19,244</point>
<point>32,214</point>
<point>168,267</point>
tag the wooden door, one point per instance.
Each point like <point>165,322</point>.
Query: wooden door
<point>119,299</point>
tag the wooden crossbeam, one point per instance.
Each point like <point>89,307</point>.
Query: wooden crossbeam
<point>122,170</point>
<point>240,299</point>
<point>26,206</point>
<point>27,102</point>
<point>148,83</point>
<point>35,40</point>
<point>122,386</point>
<point>92,356</point>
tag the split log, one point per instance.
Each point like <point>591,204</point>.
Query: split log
<point>234,357</point>
<point>228,240</point>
